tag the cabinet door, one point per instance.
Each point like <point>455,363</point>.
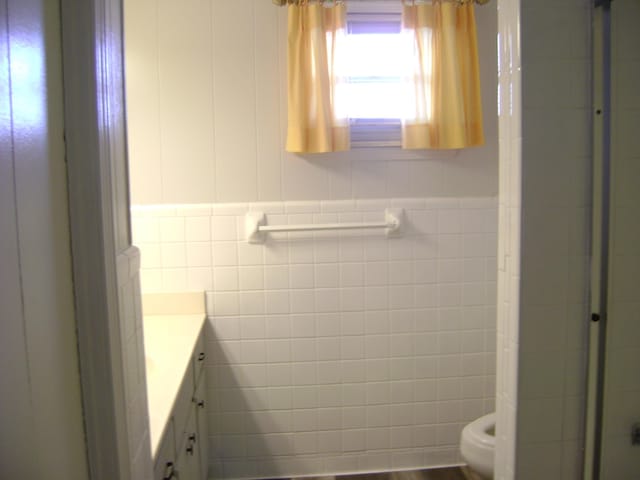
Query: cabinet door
<point>198,358</point>
<point>165,464</point>
<point>188,465</point>
<point>201,419</point>
<point>184,404</point>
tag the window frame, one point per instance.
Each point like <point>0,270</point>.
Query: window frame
<point>366,144</point>
<point>374,132</point>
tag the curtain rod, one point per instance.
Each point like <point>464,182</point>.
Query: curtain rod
<point>281,3</point>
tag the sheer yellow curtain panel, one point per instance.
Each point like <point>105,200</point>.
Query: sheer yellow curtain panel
<point>315,31</point>
<point>443,107</point>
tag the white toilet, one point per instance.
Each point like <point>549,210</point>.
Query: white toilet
<point>477,444</point>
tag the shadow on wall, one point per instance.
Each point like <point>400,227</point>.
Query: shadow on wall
<point>247,422</point>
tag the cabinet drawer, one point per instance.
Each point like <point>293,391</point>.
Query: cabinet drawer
<point>201,420</point>
<point>189,452</point>
<point>199,357</point>
<point>184,403</point>
<point>166,457</point>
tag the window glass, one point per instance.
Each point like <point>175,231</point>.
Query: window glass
<point>371,69</point>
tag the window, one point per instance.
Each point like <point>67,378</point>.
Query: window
<point>372,72</point>
<point>377,81</point>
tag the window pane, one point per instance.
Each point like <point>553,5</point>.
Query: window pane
<point>371,69</point>
<point>360,27</point>
<point>373,54</point>
<point>373,100</point>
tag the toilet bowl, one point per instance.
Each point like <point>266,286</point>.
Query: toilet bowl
<point>477,444</point>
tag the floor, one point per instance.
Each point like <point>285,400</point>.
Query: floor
<point>449,473</point>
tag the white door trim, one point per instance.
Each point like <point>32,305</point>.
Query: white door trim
<point>92,62</point>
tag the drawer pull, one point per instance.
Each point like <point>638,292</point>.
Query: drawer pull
<point>201,404</point>
<point>191,440</point>
<point>191,443</point>
<point>169,471</point>
<point>201,356</point>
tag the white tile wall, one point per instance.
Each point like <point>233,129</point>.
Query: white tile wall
<point>206,112</point>
<point>544,205</point>
<point>509,76</point>
<point>544,112</point>
<point>130,313</point>
<point>338,352</point>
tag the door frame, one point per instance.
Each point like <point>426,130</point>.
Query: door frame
<point>600,238</point>
<point>94,125</point>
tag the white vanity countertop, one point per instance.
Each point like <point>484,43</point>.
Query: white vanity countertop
<point>169,341</point>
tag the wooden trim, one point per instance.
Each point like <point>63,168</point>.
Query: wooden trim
<point>91,54</point>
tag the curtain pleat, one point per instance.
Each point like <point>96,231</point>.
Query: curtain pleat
<point>314,36</point>
<point>443,108</point>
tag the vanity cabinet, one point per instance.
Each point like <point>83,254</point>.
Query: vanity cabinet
<point>182,453</point>
<point>165,464</point>
<point>188,465</point>
<point>201,420</point>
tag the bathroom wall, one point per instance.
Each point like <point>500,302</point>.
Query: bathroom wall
<point>622,388</point>
<point>335,352</point>
<point>545,154</point>
<point>328,352</point>
<point>509,233</point>
<point>133,361</point>
<point>206,88</point>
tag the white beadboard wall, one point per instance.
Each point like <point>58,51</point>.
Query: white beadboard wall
<point>545,154</point>
<point>336,352</point>
<point>621,460</point>
<point>206,111</point>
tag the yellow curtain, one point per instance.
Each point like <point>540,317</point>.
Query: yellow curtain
<point>443,108</point>
<point>314,35</point>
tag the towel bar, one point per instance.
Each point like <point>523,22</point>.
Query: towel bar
<point>255,225</point>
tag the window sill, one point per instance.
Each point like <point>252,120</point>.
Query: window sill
<point>383,153</point>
